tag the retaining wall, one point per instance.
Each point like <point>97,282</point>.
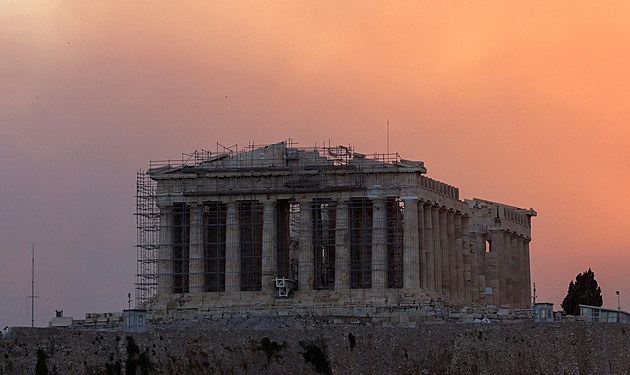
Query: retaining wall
<point>236,346</point>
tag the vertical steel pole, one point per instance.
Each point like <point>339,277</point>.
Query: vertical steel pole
<point>33,286</point>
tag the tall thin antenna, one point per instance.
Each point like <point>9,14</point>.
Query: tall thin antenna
<point>618,304</point>
<point>33,296</point>
<point>387,136</point>
<point>534,293</point>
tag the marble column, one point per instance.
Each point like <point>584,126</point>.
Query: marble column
<point>435,219</point>
<point>452,255</point>
<point>445,274</point>
<point>232,249</point>
<point>411,261</point>
<point>498,250</point>
<point>195,271</point>
<point>460,270</point>
<point>421,246</point>
<point>527,277</point>
<point>470,261</point>
<point>506,269</point>
<point>429,248</point>
<point>523,288</point>
<point>379,243</point>
<point>305,256</point>
<point>508,264</point>
<point>515,271</point>
<point>165,253</point>
<point>269,247</point>
<point>342,247</point>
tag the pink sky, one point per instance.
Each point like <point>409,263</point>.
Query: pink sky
<point>525,103</point>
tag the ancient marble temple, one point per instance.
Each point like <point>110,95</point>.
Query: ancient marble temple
<point>279,226</point>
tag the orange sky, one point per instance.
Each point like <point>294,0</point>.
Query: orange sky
<point>524,103</point>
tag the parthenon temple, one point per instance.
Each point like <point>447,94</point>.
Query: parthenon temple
<point>281,225</point>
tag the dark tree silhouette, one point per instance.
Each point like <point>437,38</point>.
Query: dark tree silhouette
<point>584,291</point>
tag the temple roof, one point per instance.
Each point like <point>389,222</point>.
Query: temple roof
<point>282,156</point>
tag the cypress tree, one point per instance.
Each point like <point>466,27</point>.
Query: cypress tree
<point>584,291</point>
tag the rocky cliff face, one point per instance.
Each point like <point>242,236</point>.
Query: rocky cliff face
<point>287,347</point>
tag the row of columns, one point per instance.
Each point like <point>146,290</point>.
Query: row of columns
<point>438,254</point>
<point>447,265</point>
<point>411,259</point>
<point>379,269</point>
<point>505,268</point>
<point>411,246</point>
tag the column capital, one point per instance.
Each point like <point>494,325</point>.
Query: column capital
<point>195,205</point>
<point>342,203</point>
<point>409,198</point>
<point>228,199</point>
<point>163,207</point>
<point>376,193</point>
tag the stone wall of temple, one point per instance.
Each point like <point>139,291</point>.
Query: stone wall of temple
<point>279,225</point>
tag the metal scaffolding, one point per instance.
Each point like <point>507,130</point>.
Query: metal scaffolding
<point>147,229</point>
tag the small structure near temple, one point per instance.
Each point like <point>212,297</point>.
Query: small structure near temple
<point>282,227</point>
<point>135,320</point>
<point>543,312</point>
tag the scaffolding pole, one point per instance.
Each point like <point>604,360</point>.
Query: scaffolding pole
<point>147,229</point>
